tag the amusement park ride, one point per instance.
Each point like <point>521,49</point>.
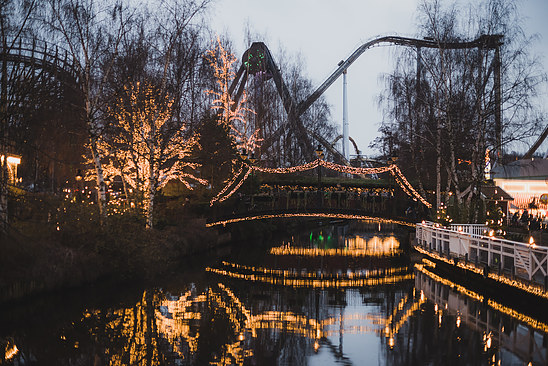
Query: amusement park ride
<point>258,62</point>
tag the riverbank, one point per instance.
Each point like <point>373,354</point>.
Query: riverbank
<point>39,258</point>
<point>36,258</point>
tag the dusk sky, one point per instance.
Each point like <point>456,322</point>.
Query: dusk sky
<point>324,32</point>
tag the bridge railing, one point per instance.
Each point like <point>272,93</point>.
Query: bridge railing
<point>313,200</point>
<point>528,261</point>
<point>475,229</point>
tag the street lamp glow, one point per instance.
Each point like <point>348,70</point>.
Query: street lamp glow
<point>319,152</point>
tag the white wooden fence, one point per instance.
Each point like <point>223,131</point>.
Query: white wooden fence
<point>468,242</point>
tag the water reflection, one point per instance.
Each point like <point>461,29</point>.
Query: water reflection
<point>325,305</point>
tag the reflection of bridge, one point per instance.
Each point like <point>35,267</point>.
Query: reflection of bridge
<point>498,328</point>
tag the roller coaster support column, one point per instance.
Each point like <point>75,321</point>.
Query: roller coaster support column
<point>319,153</point>
<point>345,145</point>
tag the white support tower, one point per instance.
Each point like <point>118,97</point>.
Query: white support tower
<point>345,142</point>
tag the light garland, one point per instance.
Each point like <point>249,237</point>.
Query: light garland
<point>354,170</point>
<point>393,169</point>
<point>535,290</point>
<point>396,328</point>
<point>227,186</point>
<point>519,316</point>
<point>224,198</point>
<point>396,171</point>
<point>10,351</point>
<point>463,290</point>
<point>237,187</point>
<point>300,168</point>
<point>319,214</point>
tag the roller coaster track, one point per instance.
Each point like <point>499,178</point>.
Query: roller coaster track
<point>37,54</point>
<point>296,110</point>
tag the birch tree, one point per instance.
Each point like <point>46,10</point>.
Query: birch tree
<point>442,103</point>
<point>155,153</point>
<point>92,31</point>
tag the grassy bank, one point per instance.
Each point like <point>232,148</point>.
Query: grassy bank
<point>59,247</point>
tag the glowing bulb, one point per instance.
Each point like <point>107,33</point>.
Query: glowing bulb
<point>316,346</point>
<point>458,321</point>
<point>391,342</point>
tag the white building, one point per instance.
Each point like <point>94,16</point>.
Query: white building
<point>526,181</point>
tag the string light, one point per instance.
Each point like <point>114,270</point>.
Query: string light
<point>463,290</point>
<point>10,351</point>
<point>393,169</point>
<point>300,168</point>
<point>299,274</point>
<point>228,185</point>
<point>235,188</point>
<point>318,214</point>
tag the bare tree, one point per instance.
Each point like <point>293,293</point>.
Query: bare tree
<point>451,105</point>
<point>92,31</point>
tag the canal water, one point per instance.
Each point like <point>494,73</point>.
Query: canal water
<point>344,293</point>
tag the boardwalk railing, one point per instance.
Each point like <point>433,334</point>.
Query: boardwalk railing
<point>463,242</point>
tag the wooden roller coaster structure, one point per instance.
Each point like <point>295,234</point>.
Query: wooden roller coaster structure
<point>40,56</point>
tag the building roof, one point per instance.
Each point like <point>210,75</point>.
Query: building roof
<point>494,193</point>
<point>522,169</point>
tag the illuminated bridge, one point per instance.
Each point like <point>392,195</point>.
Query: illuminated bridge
<point>379,201</point>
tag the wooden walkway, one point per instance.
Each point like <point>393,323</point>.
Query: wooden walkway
<point>518,264</point>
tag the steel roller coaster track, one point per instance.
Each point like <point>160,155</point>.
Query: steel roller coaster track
<point>258,59</point>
